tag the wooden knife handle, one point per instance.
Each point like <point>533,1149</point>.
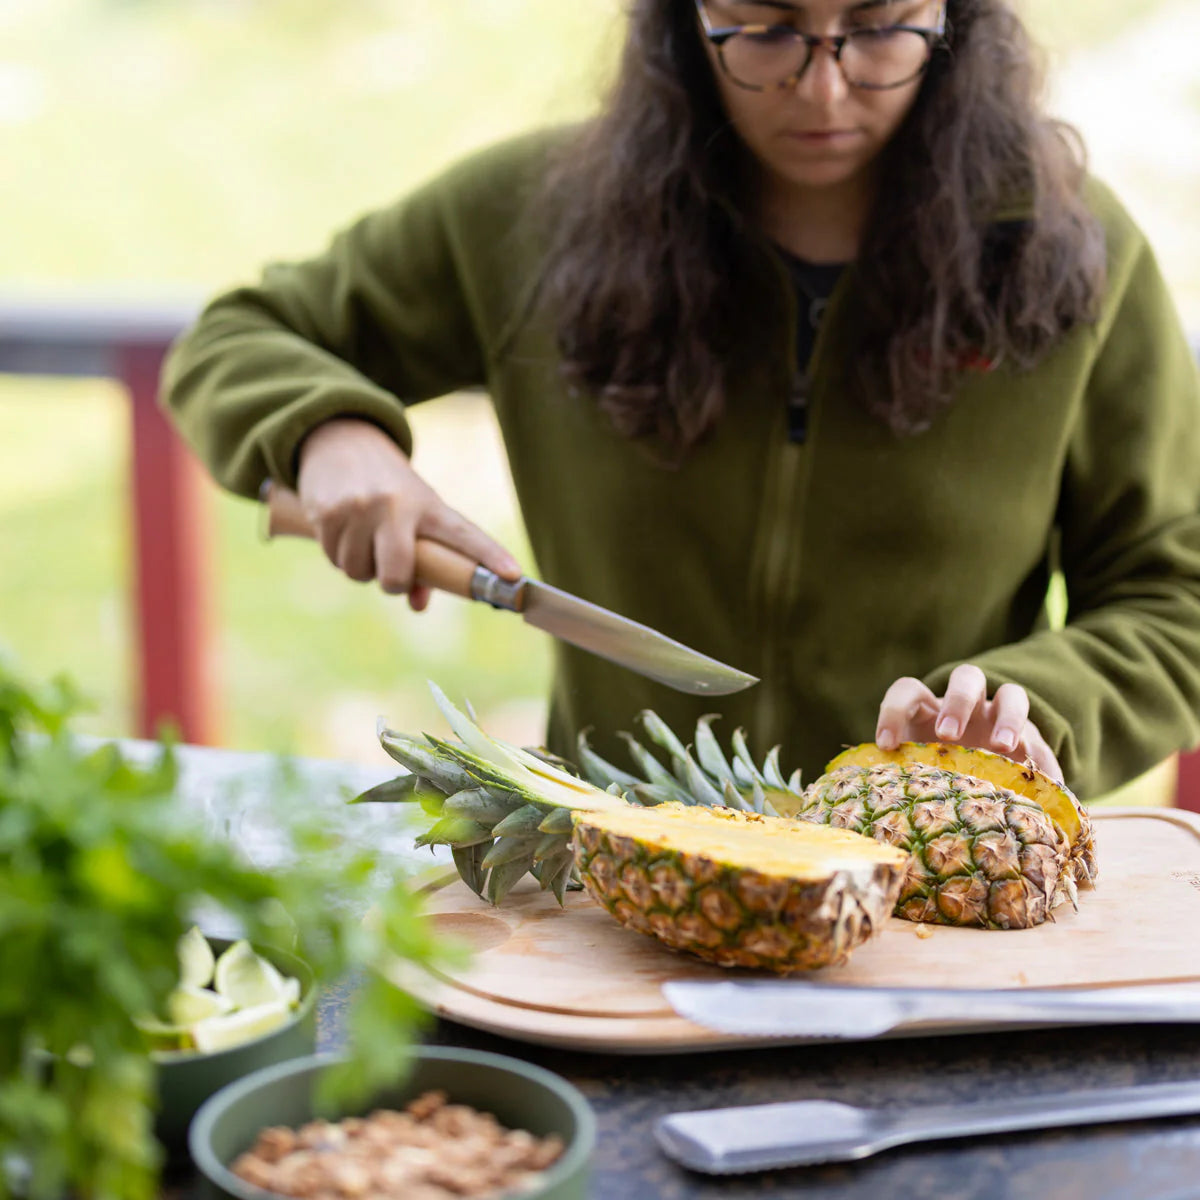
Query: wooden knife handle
<point>437,566</point>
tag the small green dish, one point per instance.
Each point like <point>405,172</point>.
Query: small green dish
<point>186,1078</point>
<point>520,1095</point>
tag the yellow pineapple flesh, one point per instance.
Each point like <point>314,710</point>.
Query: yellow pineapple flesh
<point>738,889</point>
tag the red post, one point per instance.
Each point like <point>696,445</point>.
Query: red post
<point>1187,791</point>
<point>171,560</point>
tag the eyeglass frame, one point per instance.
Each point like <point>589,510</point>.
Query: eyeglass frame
<point>835,42</point>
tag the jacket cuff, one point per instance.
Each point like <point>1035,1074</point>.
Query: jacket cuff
<point>280,440</point>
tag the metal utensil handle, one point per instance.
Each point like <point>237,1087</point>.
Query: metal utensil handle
<point>772,1136</point>
<point>1043,1112</point>
<point>1062,1008</point>
<point>436,566</point>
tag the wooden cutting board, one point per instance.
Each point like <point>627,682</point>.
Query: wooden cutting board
<point>573,977</point>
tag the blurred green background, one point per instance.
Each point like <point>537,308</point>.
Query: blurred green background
<point>172,146</point>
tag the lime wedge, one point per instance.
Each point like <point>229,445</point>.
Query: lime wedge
<point>195,959</point>
<point>186,1005</point>
<point>161,1036</point>
<point>247,979</point>
<point>233,1029</point>
<point>291,991</point>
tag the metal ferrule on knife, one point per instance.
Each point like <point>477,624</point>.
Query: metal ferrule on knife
<point>499,593</point>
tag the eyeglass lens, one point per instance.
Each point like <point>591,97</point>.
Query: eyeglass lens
<point>869,58</point>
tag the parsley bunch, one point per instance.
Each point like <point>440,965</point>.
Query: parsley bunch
<point>101,871</point>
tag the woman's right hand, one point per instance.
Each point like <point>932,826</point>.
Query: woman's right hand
<point>368,507</point>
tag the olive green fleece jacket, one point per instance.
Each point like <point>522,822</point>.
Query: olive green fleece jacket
<point>828,568</point>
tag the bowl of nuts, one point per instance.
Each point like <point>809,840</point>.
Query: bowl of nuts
<point>462,1124</point>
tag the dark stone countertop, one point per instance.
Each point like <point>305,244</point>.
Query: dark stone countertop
<point>1147,1160</point>
<point>1144,1160</point>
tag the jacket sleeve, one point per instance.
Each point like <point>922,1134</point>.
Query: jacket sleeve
<point>1118,689</point>
<point>384,317</point>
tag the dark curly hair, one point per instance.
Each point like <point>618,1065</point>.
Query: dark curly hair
<point>651,258</point>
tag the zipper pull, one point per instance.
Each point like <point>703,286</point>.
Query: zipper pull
<point>797,408</point>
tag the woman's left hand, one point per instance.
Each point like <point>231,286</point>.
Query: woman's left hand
<point>910,712</point>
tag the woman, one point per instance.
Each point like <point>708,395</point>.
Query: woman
<point>815,350</point>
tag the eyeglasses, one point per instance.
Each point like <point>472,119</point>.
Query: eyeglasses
<point>763,57</point>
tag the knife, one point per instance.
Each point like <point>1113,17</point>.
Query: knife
<point>771,1008</point>
<point>567,617</point>
<point>765,1137</point>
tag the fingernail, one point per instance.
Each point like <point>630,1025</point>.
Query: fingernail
<point>884,739</point>
<point>1006,739</point>
<point>948,727</point>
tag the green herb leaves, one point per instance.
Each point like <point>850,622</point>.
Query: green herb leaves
<point>102,866</point>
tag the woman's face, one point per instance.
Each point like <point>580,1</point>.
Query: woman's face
<point>818,131</point>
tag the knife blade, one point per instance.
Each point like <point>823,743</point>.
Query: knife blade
<point>569,618</point>
<point>777,1008</point>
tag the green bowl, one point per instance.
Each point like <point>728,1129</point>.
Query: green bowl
<point>187,1078</point>
<point>520,1095</point>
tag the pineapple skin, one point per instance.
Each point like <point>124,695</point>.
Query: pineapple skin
<point>980,854</point>
<point>733,915</point>
<point>1023,778</point>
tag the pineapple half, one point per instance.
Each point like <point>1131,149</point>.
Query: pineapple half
<point>993,843</point>
<point>737,888</point>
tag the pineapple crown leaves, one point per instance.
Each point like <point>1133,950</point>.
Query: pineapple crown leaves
<point>488,780</point>
<point>503,810</point>
<point>529,776</point>
<point>419,758</point>
<point>479,761</point>
<point>701,774</point>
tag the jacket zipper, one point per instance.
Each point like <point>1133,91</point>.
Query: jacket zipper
<point>797,409</point>
<point>783,531</point>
